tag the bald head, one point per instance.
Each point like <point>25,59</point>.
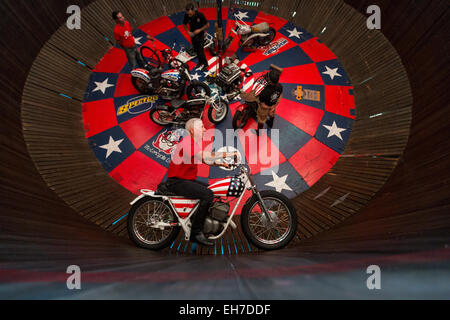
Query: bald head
<point>195,128</point>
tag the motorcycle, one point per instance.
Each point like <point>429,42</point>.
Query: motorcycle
<point>180,111</point>
<point>170,84</point>
<point>249,110</point>
<point>230,78</point>
<point>255,36</point>
<point>268,218</point>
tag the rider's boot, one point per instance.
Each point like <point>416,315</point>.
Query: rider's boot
<point>260,126</point>
<point>270,122</point>
<point>201,239</point>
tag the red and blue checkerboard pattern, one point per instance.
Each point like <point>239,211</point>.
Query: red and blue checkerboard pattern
<point>314,132</point>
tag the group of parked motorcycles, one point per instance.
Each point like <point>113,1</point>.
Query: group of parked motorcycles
<point>176,81</point>
<point>268,218</point>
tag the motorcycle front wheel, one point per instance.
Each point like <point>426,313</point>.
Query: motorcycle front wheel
<point>161,116</point>
<point>216,116</point>
<point>151,57</point>
<point>276,232</point>
<point>144,224</point>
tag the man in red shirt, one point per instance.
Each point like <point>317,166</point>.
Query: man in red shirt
<point>182,175</point>
<point>124,37</point>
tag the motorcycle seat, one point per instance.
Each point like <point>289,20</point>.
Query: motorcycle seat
<point>177,103</point>
<point>260,27</point>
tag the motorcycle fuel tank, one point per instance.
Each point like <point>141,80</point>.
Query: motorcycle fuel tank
<point>228,187</point>
<point>172,75</point>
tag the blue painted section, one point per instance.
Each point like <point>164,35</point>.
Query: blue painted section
<point>115,222</point>
<point>65,96</point>
<point>334,142</point>
<point>115,158</point>
<point>292,139</point>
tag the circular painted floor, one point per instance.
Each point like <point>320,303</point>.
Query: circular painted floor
<point>314,126</point>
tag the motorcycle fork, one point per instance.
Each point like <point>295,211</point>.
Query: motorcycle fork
<point>256,192</point>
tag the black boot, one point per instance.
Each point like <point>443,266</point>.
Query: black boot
<point>270,122</point>
<point>200,238</point>
<point>260,126</point>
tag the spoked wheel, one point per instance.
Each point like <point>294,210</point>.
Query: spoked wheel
<point>162,116</point>
<point>150,57</point>
<point>152,224</point>
<point>197,89</point>
<point>218,111</point>
<point>177,64</point>
<point>269,38</point>
<point>273,233</point>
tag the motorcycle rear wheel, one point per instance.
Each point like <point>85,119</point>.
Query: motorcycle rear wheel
<point>259,230</point>
<point>143,215</point>
<point>150,57</point>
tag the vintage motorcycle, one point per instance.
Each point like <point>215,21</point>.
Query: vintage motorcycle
<point>180,111</point>
<point>170,84</point>
<point>268,218</point>
<point>255,36</point>
<point>230,78</point>
<point>249,110</point>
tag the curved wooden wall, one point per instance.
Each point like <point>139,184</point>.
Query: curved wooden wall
<point>52,123</point>
<point>414,202</point>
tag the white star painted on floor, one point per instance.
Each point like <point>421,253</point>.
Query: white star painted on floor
<point>138,41</point>
<point>102,86</point>
<point>241,15</point>
<point>334,130</point>
<point>279,183</point>
<point>294,33</point>
<point>112,146</point>
<point>195,76</point>
<point>332,72</point>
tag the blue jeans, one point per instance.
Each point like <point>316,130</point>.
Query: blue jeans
<point>134,57</point>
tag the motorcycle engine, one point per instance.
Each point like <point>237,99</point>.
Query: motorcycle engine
<point>169,89</point>
<point>215,221</point>
<point>229,78</point>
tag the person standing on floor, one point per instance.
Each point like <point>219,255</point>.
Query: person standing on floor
<point>197,25</point>
<point>124,37</point>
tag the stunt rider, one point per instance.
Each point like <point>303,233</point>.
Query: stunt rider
<point>182,175</point>
<point>265,97</point>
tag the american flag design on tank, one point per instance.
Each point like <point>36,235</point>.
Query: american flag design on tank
<point>236,187</point>
<point>229,187</point>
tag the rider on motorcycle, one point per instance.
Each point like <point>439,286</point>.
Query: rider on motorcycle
<point>182,175</point>
<point>265,97</point>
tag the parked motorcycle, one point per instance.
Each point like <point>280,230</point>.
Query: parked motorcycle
<point>248,110</point>
<point>170,84</point>
<point>254,36</point>
<point>268,218</point>
<point>180,111</point>
<point>230,78</point>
